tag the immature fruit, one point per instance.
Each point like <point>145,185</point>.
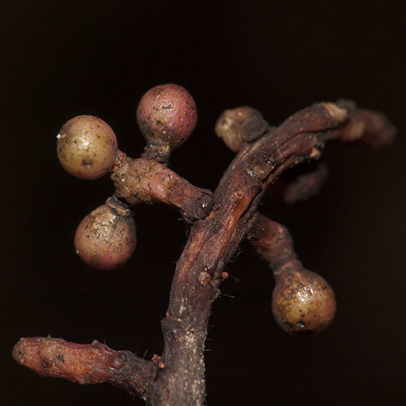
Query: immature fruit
<point>303,302</point>
<point>87,147</point>
<point>167,115</point>
<point>106,238</point>
<point>228,126</point>
<point>240,125</point>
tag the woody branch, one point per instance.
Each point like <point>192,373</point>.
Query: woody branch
<point>222,223</point>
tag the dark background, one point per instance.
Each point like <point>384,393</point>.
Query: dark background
<point>64,58</point>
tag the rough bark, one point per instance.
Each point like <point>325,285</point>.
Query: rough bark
<point>214,240</point>
<point>85,363</point>
<point>177,377</point>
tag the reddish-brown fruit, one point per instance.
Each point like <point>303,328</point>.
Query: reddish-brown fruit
<point>87,147</point>
<point>106,238</point>
<point>167,115</point>
<point>303,302</point>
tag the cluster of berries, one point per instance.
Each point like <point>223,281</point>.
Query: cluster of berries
<point>106,238</point>
<point>87,149</point>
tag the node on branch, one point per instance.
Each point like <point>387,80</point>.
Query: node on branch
<point>302,302</point>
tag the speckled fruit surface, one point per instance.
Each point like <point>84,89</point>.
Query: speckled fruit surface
<point>87,147</point>
<point>167,114</point>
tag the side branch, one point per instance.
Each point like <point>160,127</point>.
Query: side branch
<point>272,242</point>
<point>86,363</point>
<point>214,239</point>
<point>220,223</point>
<point>147,181</point>
<point>369,127</point>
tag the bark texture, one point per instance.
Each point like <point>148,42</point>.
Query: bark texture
<point>221,222</point>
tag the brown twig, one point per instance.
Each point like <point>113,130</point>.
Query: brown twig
<point>146,181</point>
<point>214,238</point>
<point>86,363</point>
<point>272,242</point>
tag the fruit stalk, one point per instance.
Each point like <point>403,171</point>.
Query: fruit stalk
<point>147,181</point>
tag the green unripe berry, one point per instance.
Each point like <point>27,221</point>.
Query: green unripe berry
<point>87,147</point>
<point>106,238</point>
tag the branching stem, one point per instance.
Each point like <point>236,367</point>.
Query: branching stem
<point>221,223</point>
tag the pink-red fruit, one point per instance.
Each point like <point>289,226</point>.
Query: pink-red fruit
<point>167,115</point>
<point>302,302</point>
<point>87,147</point>
<point>106,238</point>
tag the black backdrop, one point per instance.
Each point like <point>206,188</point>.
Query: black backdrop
<point>60,59</point>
